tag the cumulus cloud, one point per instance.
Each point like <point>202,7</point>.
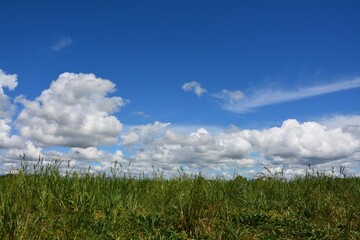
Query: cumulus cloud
<point>92,154</point>
<point>143,133</point>
<point>63,42</point>
<point>197,138</point>
<point>75,159</point>
<point>87,154</point>
<point>348,123</point>
<point>169,149</point>
<point>7,140</point>
<point>74,112</point>
<point>195,87</point>
<point>100,161</point>
<point>6,81</point>
<point>166,147</point>
<point>31,152</point>
<point>264,97</point>
<point>337,121</point>
<point>302,143</point>
<point>354,130</point>
<point>234,145</point>
<point>292,144</point>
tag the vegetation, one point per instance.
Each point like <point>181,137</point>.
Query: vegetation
<point>45,204</point>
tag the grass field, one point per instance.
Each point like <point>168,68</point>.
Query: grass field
<point>44,204</point>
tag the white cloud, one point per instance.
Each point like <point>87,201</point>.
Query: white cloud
<point>229,96</point>
<point>6,81</point>
<point>303,143</point>
<point>87,154</point>
<point>74,112</point>
<point>194,86</point>
<point>62,43</point>
<point>31,152</point>
<point>197,138</point>
<point>143,133</point>
<point>292,144</point>
<point>264,97</point>
<point>77,112</point>
<point>99,161</point>
<point>12,158</point>
<point>354,130</point>
<point>337,121</point>
<point>76,159</point>
<point>168,149</point>
<point>7,140</point>
<point>161,146</point>
<point>348,123</point>
<point>234,145</point>
<point>350,167</point>
<point>92,154</point>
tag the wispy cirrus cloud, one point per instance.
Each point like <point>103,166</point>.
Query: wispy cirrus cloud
<point>140,114</point>
<point>240,102</point>
<point>63,42</point>
<point>195,87</point>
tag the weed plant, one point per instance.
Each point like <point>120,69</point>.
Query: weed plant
<point>41,203</point>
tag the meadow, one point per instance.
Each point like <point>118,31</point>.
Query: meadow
<point>39,202</point>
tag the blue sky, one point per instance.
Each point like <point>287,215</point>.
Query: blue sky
<point>255,65</point>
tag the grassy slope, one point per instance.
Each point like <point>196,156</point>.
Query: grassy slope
<point>45,205</point>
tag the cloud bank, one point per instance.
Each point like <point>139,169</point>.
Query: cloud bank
<point>77,116</point>
<point>167,148</point>
<point>293,143</point>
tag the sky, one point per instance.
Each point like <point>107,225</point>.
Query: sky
<point>217,87</point>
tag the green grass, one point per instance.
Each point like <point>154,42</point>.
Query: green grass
<point>44,204</point>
